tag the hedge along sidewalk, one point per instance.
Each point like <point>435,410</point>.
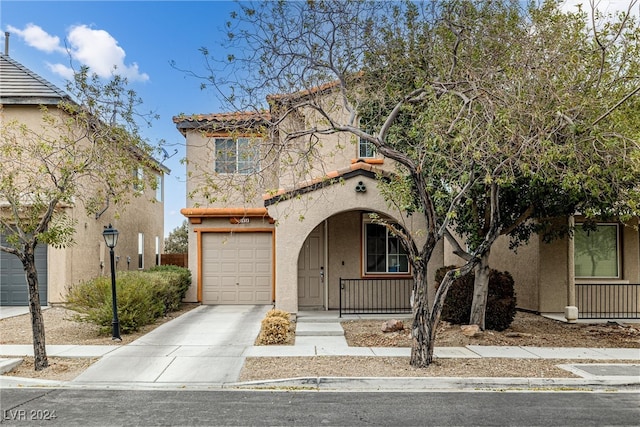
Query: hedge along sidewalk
<point>142,296</point>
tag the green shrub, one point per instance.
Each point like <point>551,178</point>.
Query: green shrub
<point>274,330</point>
<point>183,280</point>
<point>501,300</point>
<point>142,297</point>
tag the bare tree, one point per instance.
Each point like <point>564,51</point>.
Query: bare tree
<point>458,93</point>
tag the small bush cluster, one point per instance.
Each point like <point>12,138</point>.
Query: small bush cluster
<point>275,328</point>
<point>142,297</point>
<point>501,300</point>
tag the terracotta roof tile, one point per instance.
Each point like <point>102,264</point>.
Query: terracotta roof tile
<point>243,116</point>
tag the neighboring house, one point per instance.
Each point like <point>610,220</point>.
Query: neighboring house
<point>141,226</point>
<point>596,271</point>
<point>238,255</point>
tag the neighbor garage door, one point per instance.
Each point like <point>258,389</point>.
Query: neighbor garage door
<point>236,268</point>
<point>13,284</point>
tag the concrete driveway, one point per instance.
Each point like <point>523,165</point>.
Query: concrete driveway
<point>206,345</point>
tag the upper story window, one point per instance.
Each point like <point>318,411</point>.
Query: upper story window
<point>366,149</point>
<point>384,252</point>
<point>159,191</point>
<point>138,179</point>
<point>237,155</point>
<point>597,252</point>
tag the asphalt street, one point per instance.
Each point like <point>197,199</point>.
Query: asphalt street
<point>83,407</point>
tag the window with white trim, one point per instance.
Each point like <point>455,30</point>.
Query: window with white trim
<point>159,192</point>
<point>597,252</point>
<point>383,251</point>
<point>157,250</point>
<point>237,155</point>
<point>366,149</point>
<point>138,179</point>
<point>140,251</point>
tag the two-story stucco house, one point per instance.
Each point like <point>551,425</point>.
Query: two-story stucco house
<point>140,226</point>
<point>290,233</point>
<point>298,225</point>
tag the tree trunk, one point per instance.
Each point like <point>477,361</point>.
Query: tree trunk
<point>422,341</point>
<point>37,322</point>
<point>480,292</point>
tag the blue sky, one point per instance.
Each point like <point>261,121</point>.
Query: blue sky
<point>141,38</point>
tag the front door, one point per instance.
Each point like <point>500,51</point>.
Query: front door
<point>311,274</point>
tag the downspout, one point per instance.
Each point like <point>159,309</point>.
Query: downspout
<point>99,214</point>
<point>571,310</point>
<point>326,264</point>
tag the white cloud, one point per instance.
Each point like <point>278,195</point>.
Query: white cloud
<point>61,70</point>
<point>96,49</point>
<point>36,37</point>
<point>100,51</point>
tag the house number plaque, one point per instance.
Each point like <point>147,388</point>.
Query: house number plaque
<point>243,220</point>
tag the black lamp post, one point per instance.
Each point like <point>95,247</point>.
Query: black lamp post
<point>110,235</point>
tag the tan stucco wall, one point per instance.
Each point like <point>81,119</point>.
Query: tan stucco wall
<point>89,257</point>
<point>631,250</point>
<point>331,202</point>
<point>224,190</point>
<point>523,267</point>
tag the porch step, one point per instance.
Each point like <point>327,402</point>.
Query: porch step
<point>316,329</point>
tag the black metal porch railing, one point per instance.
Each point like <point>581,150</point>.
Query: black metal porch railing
<point>375,296</point>
<point>608,301</point>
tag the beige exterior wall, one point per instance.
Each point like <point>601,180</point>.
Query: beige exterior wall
<point>631,250</point>
<point>89,257</point>
<point>342,207</point>
<point>224,190</point>
<point>540,270</point>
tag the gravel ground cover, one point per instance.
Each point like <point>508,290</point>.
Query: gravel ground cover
<point>527,330</point>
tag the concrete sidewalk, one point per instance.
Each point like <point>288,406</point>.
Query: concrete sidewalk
<point>207,346</point>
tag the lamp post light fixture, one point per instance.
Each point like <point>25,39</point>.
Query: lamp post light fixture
<point>110,235</point>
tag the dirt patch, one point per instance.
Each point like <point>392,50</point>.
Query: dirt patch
<point>60,368</point>
<point>263,368</point>
<point>527,329</point>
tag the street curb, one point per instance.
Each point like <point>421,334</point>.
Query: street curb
<point>7,365</point>
<point>444,383</point>
<point>355,384</point>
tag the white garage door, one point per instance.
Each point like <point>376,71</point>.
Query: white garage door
<point>236,268</point>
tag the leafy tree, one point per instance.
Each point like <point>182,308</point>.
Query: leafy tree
<point>81,153</point>
<point>472,100</point>
<point>593,184</point>
<point>178,240</point>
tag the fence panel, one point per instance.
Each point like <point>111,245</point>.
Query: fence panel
<point>181,260</point>
<point>375,296</point>
<point>608,301</point>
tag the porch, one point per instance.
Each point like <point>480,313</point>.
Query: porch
<point>596,302</point>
